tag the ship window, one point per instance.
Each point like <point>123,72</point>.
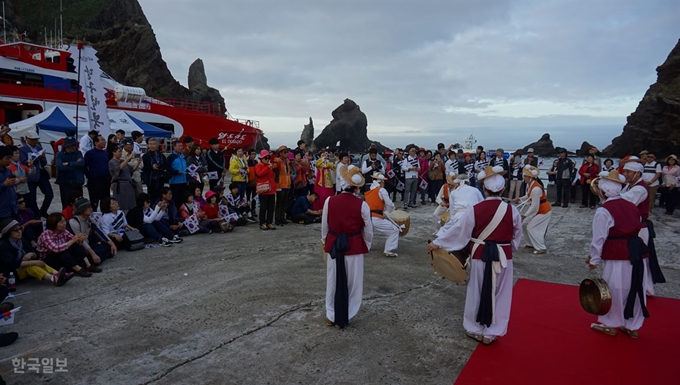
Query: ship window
<point>34,80</point>
<point>11,76</point>
<point>70,67</point>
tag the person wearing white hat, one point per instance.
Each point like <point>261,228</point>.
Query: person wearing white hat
<point>493,230</point>
<point>347,234</point>
<point>33,153</point>
<point>443,199</point>
<point>462,198</point>
<point>617,246</point>
<point>636,192</point>
<point>536,211</point>
<point>379,202</point>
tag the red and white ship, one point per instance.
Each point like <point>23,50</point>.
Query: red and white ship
<point>35,78</point>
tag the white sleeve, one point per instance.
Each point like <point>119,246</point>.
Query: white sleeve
<point>602,222</point>
<point>324,221</point>
<point>517,228</point>
<point>440,195</point>
<point>368,224</point>
<point>365,168</point>
<point>457,236</point>
<point>105,223</point>
<point>385,196</point>
<point>532,210</point>
<point>158,214</point>
<point>635,195</point>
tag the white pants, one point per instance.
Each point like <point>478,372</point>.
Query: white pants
<point>618,276</point>
<point>534,230</point>
<point>354,265</point>
<point>437,216</point>
<point>649,282</point>
<point>503,301</point>
<point>388,229</point>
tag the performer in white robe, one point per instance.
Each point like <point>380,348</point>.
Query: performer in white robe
<point>378,200</point>
<point>536,211</point>
<point>345,228</point>
<point>489,290</point>
<point>615,225</point>
<point>462,198</point>
<point>636,192</point>
<point>443,200</point>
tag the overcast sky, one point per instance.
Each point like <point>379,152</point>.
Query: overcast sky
<point>426,71</point>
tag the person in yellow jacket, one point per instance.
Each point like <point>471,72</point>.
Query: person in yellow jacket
<point>283,168</point>
<point>238,168</point>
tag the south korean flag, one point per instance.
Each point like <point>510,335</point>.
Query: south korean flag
<point>191,224</point>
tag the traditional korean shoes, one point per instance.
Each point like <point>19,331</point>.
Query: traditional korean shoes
<point>488,341</point>
<point>603,329</point>
<point>476,337</point>
<point>631,333</point>
<point>540,251</point>
<point>390,255</point>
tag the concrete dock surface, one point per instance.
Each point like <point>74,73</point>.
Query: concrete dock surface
<point>248,308</point>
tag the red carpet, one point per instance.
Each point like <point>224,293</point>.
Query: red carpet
<point>549,341</point>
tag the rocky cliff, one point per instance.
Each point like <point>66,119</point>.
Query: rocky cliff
<point>655,124</point>
<point>119,31</point>
<point>308,135</point>
<point>347,131</point>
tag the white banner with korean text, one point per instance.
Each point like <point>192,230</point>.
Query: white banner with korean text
<point>93,88</point>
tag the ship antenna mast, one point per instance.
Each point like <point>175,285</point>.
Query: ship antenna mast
<point>4,24</point>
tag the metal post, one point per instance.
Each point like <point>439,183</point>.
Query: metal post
<point>80,50</point>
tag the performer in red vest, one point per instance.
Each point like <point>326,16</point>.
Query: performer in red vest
<point>637,193</point>
<point>493,230</point>
<point>347,234</point>
<point>617,245</point>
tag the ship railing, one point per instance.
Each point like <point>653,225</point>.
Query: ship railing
<point>248,122</point>
<point>194,105</point>
<point>139,106</point>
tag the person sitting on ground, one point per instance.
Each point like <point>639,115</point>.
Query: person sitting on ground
<point>189,208</point>
<point>302,211</point>
<point>199,201</point>
<point>59,248</point>
<point>222,201</point>
<point>73,196</point>
<point>212,211</point>
<point>170,217</point>
<point>148,221</point>
<point>113,222</point>
<point>237,204</point>
<point>31,224</point>
<point>19,257</point>
<point>97,244</point>
<point>6,339</point>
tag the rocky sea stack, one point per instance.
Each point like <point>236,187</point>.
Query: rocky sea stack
<point>543,147</point>
<point>655,124</point>
<point>348,131</point>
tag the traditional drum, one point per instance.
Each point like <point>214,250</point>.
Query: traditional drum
<point>448,266</point>
<point>402,219</point>
<point>445,217</point>
<point>595,296</point>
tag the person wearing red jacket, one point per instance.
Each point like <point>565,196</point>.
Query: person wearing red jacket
<point>588,171</point>
<point>265,188</point>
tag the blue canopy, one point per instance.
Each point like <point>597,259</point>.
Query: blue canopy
<point>149,130</point>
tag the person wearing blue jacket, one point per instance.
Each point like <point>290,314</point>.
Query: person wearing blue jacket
<point>178,178</point>
<point>70,170</point>
<point>33,152</point>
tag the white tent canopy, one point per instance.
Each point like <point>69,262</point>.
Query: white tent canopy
<point>54,122</point>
